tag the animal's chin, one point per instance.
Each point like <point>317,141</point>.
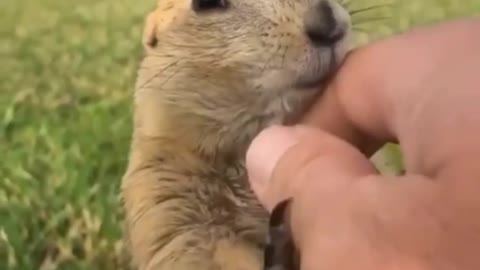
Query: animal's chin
<point>311,82</point>
<point>317,73</point>
<point>311,72</point>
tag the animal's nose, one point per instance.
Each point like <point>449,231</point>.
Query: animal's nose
<point>323,26</point>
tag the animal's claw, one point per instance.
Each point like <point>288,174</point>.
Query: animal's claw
<point>280,252</point>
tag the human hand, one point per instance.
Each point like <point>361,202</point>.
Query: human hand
<point>421,89</point>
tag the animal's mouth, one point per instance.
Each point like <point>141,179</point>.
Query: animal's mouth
<point>319,76</point>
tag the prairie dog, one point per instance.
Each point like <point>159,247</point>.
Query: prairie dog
<point>214,74</point>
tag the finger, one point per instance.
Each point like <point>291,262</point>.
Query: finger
<point>409,88</point>
<point>282,160</point>
<point>353,105</point>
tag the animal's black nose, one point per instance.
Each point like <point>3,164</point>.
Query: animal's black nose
<point>322,27</point>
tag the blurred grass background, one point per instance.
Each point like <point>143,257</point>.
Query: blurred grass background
<point>66,79</point>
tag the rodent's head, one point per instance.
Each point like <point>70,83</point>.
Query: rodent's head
<point>228,59</point>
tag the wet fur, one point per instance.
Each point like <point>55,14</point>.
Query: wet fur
<point>207,85</point>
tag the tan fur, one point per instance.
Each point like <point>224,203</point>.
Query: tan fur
<point>209,82</point>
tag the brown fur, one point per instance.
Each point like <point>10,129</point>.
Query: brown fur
<point>208,84</point>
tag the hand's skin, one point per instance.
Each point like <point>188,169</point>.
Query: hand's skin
<point>421,89</point>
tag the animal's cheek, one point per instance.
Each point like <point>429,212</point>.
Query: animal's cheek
<point>243,52</point>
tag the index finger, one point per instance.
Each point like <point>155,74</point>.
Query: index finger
<point>328,113</point>
<point>407,89</point>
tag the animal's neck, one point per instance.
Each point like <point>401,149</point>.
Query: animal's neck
<point>215,137</point>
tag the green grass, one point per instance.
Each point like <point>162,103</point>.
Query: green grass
<point>66,80</point>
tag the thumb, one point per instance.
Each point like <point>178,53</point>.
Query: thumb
<point>281,161</point>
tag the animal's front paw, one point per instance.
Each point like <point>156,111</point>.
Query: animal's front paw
<point>280,252</point>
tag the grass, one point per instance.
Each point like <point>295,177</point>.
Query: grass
<point>66,80</point>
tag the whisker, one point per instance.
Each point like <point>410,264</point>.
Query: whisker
<point>239,35</point>
<point>162,55</point>
<point>270,58</point>
<point>360,30</point>
<point>365,9</point>
<point>368,20</point>
<point>346,3</point>
<point>158,73</point>
<point>171,76</point>
<point>204,47</point>
<point>195,46</point>
<point>154,66</point>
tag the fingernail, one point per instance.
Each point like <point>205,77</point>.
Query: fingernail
<point>264,153</point>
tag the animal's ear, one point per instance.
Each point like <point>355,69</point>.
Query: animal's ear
<point>150,31</point>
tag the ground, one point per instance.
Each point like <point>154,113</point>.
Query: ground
<point>66,81</point>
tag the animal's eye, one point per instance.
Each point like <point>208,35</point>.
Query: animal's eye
<point>202,5</point>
